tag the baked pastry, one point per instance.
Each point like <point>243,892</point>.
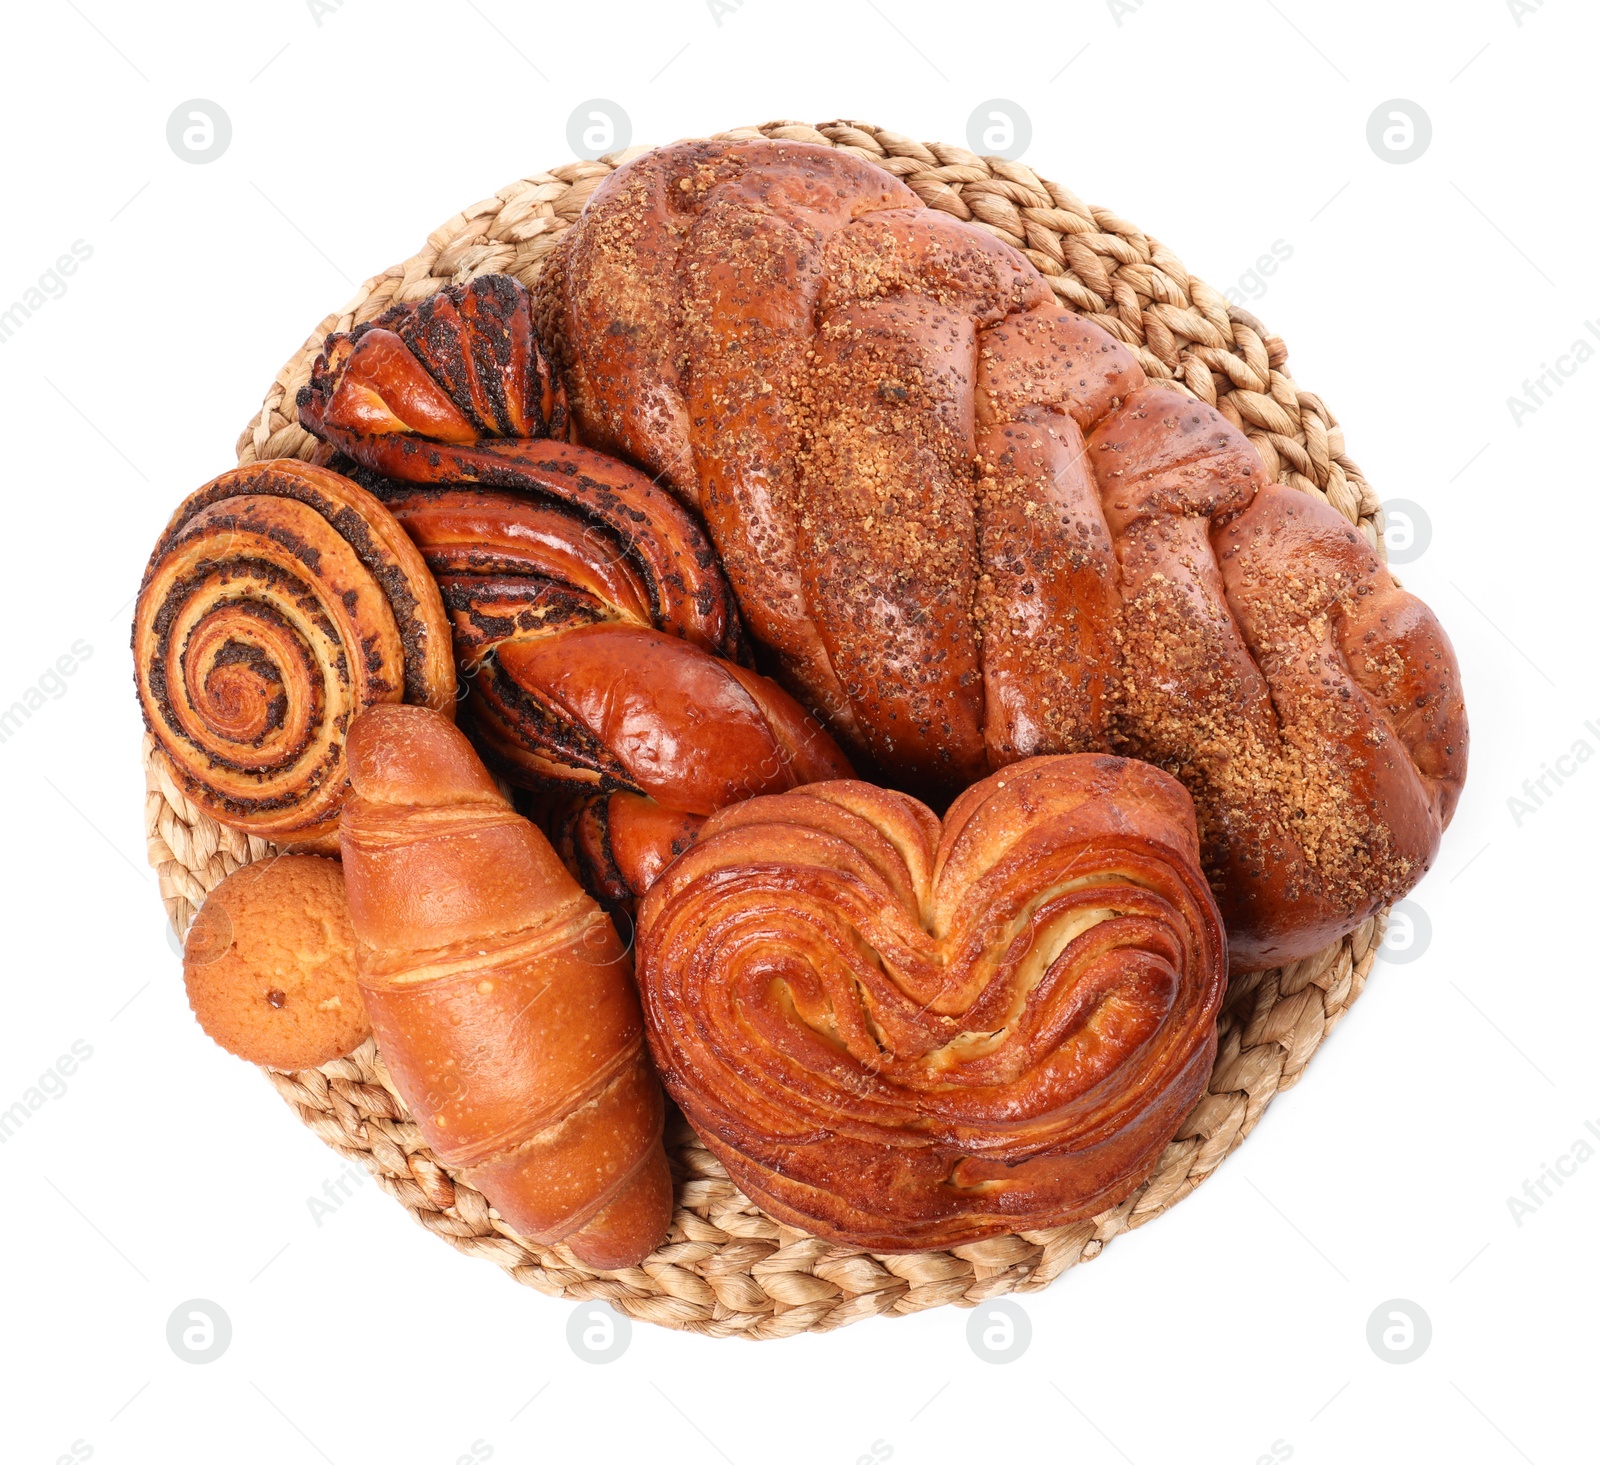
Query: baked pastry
<point>573,690</point>
<point>968,529</point>
<point>618,843</point>
<point>594,633</point>
<point>281,600</point>
<point>463,364</point>
<point>575,680</point>
<point>501,998</point>
<point>902,1036</point>
<point>270,964</point>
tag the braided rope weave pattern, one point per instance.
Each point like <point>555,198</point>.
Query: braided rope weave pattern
<point>726,1269</point>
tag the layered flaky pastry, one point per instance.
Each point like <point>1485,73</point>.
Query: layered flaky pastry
<point>904,1035</point>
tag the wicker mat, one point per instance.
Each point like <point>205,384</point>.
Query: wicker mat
<point>727,1269</point>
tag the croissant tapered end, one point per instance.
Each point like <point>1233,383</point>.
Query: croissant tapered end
<point>413,755</point>
<point>630,1227</point>
<point>462,365</point>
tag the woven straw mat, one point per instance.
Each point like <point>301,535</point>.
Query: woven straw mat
<point>727,1269</point>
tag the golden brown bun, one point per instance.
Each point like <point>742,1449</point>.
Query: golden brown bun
<point>270,964</point>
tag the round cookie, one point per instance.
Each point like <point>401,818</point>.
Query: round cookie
<point>270,964</point>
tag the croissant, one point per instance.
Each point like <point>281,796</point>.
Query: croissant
<point>500,995</point>
<point>593,631</point>
<point>280,602</point>
<point>968,529</point>
<point>902,1036</point>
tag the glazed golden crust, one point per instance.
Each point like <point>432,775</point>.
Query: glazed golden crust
<point>500,995</point>
<point>280,602</point>
<point>970,531</point>
<point>903,1035</point>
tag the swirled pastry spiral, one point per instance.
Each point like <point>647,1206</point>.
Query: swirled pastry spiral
<point>902,1035</point>
<point>281,601</point>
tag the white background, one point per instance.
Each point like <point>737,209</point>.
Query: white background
<point>1416,300</point>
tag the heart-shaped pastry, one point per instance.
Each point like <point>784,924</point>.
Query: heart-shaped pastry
<point>901,1034</point>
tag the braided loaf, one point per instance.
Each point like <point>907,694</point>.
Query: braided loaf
<point>969,530</point>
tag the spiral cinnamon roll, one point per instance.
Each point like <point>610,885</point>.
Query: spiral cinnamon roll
<point>901,1035</point>
<point>281,601</point>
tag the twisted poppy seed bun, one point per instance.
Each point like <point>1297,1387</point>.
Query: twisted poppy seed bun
<point>594,632</point>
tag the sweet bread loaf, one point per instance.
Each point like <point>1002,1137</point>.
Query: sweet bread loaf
<point>596,640</point>
<point>968,529</point>
<point>901,1035</point>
